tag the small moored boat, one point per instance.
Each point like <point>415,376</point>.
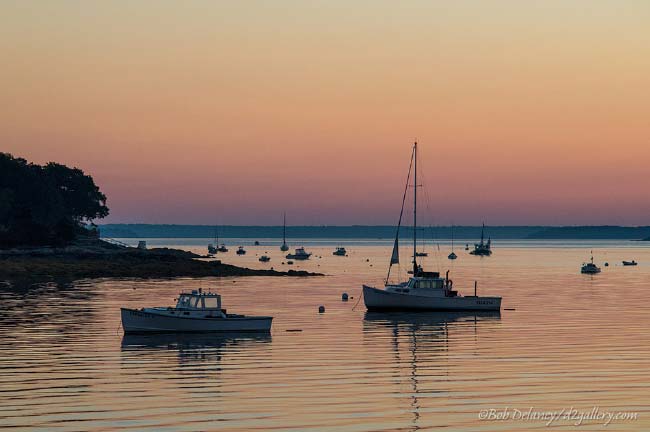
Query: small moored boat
<point>590,267</point>
<point>195,311</point>
<point>483,248</point>
<point>630,263</point>
<point>241,250</point>
<point>452,255</point>
<point>216,247</point>
<point>340,251</point>
<point>300,254</point>
<point>265,258</point>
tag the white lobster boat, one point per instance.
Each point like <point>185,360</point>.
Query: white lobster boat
<point>424,291</point>
<point>195,311</point>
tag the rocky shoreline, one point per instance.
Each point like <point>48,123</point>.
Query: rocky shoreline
<point>99,259</point>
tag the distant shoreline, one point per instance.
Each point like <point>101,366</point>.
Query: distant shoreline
<point>376,232</point>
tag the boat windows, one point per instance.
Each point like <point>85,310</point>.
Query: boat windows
<point>211,302</point>
<point>428,284</point>
<point>183,302</point>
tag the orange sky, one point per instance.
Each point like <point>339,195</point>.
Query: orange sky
<point>232,112</point>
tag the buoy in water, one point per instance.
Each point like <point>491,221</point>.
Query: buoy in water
<point>321,309</point>
<point>344,297</point>
<point>606,264</point>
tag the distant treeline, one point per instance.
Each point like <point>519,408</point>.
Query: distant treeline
<point>354,231</point>
<point>372,232</point>
<point>594,232</point>
<point>45,205</point>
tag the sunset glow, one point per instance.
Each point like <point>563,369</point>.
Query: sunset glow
<point>232,113</point>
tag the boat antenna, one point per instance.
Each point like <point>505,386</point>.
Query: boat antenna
<point>415,207</point>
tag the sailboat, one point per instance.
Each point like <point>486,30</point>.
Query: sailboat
<point>212,247</point>
<point>590,267</point>
<point>284,246</point>
<point>482,248</point>
<point>219,247</point>
<point>452,255</point>
<point>424,290</point>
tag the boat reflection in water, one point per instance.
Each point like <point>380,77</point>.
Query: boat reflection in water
<point>193,346</point>
<point>423,347</point>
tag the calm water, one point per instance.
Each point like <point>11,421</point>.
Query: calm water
<point>573,341</point>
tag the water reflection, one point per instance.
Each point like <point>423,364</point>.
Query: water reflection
<point>426,320</point>
<point>57,310</point>
<point>193,347</point>
<point>419,342</point>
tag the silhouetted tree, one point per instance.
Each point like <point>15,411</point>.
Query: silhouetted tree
<point>45,205</point>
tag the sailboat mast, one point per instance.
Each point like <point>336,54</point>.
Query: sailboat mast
<point>415,207</point>
<point>284,228</point>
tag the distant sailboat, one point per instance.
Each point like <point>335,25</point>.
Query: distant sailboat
<point>452,255</point>
<point>212,247</point>
<point>482,248</point>
<point>590,267</point>
<point>284,246</point>
<point>219,247</point>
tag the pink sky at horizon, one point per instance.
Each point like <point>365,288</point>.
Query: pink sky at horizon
<point>233,112</point>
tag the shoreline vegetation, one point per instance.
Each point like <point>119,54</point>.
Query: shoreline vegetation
<point>47,232</point>
<point>93,258</point>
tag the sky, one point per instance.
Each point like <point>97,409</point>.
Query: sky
<point>205,112</point>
